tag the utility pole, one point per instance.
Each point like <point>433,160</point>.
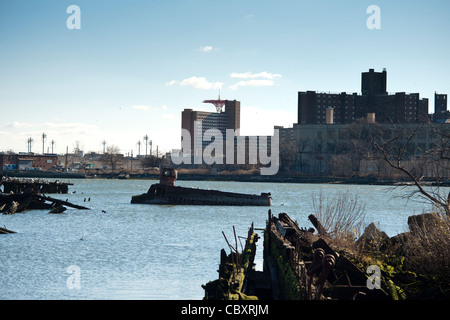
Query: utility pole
<point>139,148</point>
<point>131,160</point>
<point>44,137</point>
<point>29,142</point>
<point>146,143</point>
<point>67,152</point>
<point>151,143</point>
<point>53,143</point>
<point>104,145</point>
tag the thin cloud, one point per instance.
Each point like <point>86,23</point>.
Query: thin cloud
<point>172,82</point>
<point>206,49</point>
<point>261,79</point>
<point>253,83</point>
<point>19,125</point>
<point>249,75</point>
<point>197,82</point>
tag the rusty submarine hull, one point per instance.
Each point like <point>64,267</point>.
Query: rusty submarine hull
<point>166,193</point>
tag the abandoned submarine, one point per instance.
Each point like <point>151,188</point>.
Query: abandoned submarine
<point>165,192</point>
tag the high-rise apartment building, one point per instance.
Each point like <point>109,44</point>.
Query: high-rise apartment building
<point>374,83</point>
<point>400,107</point>
<point>230,118</point>
<point>440,107</point>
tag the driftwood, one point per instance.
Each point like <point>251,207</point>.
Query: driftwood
<point>5,231</point>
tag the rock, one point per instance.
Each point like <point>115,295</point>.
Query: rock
<point>373,237</point>
<point>423,222</point>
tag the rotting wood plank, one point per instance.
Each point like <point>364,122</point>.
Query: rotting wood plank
<point>62,202</point>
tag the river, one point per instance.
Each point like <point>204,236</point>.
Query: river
<point>119,250</point>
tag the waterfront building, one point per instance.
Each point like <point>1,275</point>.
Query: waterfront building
<point>400,107</point>
<point>28,161</point>
<point>440,108</point>
<point>347,149</point>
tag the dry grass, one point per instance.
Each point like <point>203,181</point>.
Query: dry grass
<point>342,217</point>
<point>427,249</point>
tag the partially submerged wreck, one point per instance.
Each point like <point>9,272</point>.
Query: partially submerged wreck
<point>12,203</point>
<point>165,192</point>
<point>19,195</point>
<point>14,185</point>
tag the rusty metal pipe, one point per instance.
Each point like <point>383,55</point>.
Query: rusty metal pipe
<point>328,263</point>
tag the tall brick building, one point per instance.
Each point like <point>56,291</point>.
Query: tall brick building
<point>440,108</point>
<point>400,107</point>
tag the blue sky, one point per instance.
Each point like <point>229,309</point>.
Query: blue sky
<point>135,65</point>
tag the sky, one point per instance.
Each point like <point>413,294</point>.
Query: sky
<point>117,71</point>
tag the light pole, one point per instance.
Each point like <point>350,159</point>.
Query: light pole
<point>44,137</point>
<point>146,143</point>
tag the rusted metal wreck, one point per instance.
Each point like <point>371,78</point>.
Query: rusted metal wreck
<point>298,265</point>
<point>28,194</point>
<point>165,192</point>
<point>14,185</point>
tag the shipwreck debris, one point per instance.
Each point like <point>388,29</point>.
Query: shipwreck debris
<point>298,264</point>
<point>165,192</point>
<point>26,185</point>
<point>235,271</point>
<point>12,203</point>
<point>5,231</point>
<point>58,209</point>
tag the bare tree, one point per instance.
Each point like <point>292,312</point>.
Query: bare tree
<point>288,151</point>
<point>112,157</point>
<point>301,160</point>
<point>151,161</point>
<point>400,152</point>
<point>342,217</point>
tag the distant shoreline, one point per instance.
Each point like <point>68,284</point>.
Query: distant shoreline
<point>356,180</point>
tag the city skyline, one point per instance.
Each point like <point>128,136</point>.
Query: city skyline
<point>132,67</point>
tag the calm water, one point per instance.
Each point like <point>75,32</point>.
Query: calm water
<point>152,252</point>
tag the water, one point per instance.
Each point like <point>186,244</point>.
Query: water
<point>134,251</point>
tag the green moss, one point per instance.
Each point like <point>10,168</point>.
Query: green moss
<point>243,296</point>
<point>230,286</point>
<point>289,284</point>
